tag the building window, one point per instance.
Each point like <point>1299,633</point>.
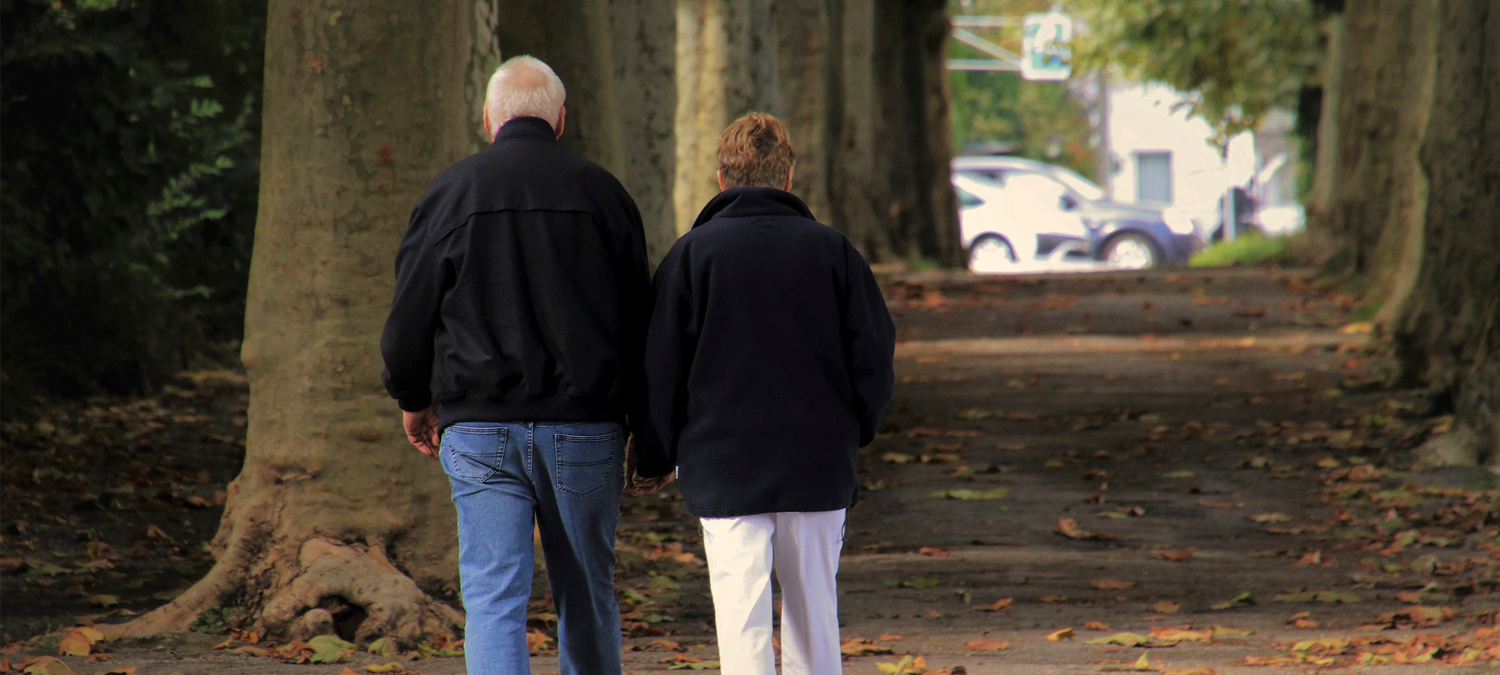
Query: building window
<point>1153,177</point>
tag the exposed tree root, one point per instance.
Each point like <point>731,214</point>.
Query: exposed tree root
<point>353,587</point>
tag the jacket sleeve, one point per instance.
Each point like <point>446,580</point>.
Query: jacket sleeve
<point>869,344</point>
<point>669,354</point>
<point>406,343</point>
<point>635,281</point>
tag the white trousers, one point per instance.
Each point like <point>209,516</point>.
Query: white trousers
<point>804,547</point>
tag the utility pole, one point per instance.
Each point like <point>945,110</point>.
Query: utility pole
<point>1104,167</point>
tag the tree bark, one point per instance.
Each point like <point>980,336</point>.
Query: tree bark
<point>365,101</point>
<point>1449,327</point>
<point>913,140</point>
<point>616,61</point>
<point>1381,114</point>
<point>807,73</point>
<point>726,67</point>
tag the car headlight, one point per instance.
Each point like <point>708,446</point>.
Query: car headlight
<point>1179,222</point>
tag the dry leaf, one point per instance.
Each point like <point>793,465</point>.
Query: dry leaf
<point>1060,635</point>
<point>999,605</point>
<point>1176,556</point>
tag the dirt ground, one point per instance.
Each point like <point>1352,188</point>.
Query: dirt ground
<point>1175,472</point>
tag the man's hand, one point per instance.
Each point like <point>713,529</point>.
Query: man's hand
<point>645,486</point>
<point>634,484</point>
<point>422,430</point>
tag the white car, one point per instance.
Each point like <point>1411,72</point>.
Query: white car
<point>1029,219</point>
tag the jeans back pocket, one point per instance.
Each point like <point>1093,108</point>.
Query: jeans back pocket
<point>473,453</point>
<point>585,463</point>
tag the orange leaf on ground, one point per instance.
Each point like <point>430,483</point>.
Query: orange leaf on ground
<point>1000,604</point>
<point>862,647</point>
<point>1060,635</point>
<point>1176,556</point>
<point>986,645</point>
<point>887,637</point>
<point>1111,584</point>
<point>935,552</point>
<point>1095,625</point>
<point>1165,607</point>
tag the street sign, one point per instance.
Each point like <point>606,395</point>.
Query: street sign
<point>1045,54</point>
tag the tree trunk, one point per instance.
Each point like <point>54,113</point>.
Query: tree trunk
<point>809,88</point>
<point>1449,328</point>
<point>726,67</point>
<point>857,185</point>
<point>645,35</point>
<point>1381,114</point>
<point>616,61</point>
<point>913,138</point>
<point>365,101</point>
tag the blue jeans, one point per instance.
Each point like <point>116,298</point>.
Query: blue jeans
<point>568,478</point>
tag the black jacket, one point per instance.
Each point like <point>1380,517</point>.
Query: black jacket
<point>768,360</point>
<point>522,291</point>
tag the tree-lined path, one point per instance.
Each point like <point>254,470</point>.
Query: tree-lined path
<point>1114,454</point>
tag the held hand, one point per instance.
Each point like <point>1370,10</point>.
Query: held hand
<point>422,430</point>
<point>645,486</point>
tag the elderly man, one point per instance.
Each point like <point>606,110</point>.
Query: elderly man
<point>769,365</point>
<point>514,348</point>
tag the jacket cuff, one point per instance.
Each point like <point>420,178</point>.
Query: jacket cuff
<point>651,467</point>
<point>415,402</point>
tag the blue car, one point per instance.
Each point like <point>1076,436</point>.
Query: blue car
<point>1126,236</point>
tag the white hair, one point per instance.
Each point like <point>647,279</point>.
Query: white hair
<point>523,86</point>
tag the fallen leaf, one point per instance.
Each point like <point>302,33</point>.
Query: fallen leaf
<point>986,645</point>
<point>897,458</point>
<point>1000,604</point>
<point>79,641</point>
<point>1141,664</point>
<point>1068,527</point>
<point>1095,625</point>
<point>862,647</point>
<point>934,552</point>
<point>1176,556</point>
<point>1060,635</point>
<point>1336,597</point>
<point>1165,607</point>
<point>329,649</point>
<point>536,640</point>
<point>1264,518</point>
<point>47,665</point>
<point>1243,598</point>
<point>385,646</point>
<point>1111,584</point>
<point>970,495</point>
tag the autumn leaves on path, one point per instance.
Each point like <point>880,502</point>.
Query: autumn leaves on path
<point>1178,473</point>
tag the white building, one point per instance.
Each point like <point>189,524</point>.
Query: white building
<point>1164,157</point>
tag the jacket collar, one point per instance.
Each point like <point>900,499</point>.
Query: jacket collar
<point>742,202</point>
<point>530,128</point>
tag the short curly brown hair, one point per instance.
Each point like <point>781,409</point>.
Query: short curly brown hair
<point>756,151</point>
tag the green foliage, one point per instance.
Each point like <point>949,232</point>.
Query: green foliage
<point>1045,121</point>
<point>1247,250</point>
<point>1236,60</point>
<point>128,187</point>
<point>215,621</point>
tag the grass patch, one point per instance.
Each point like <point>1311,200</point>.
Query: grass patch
<point>1249,250</point>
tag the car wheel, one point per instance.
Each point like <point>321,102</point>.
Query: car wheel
<point>1131,252</point>
<point>991,254</point>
